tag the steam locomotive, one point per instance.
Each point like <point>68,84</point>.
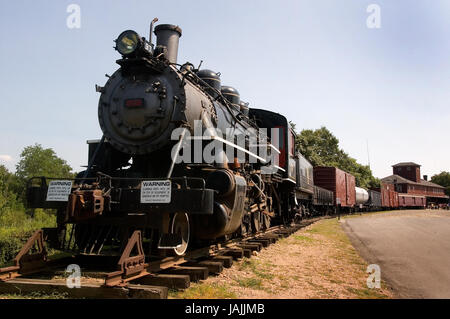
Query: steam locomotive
<point>182,159</point>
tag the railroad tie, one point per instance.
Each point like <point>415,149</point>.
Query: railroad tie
<point>251,246</point>
<point>263,242</point>
<point>147,292</point>
<point>271,239</point>
<point>226,260</point>
<point>236,253</point>
<point>247,253</point>
<point>172,281</point>
<point>195,273</point>
<point>214,267</point>
<point>283,233</point>
<point>92,290</point>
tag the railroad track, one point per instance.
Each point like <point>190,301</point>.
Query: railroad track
<point>158,276</point>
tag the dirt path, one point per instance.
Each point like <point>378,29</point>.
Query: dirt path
<point>315,262</point>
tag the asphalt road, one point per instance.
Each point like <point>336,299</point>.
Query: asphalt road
<point>412,249</point>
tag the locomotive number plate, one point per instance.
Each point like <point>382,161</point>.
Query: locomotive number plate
<point>59,191</point>
<point>156,191</point>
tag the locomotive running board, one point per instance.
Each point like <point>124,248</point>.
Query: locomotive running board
<point>25,261</point>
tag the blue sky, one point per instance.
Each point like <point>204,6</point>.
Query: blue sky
<point>314,61</point>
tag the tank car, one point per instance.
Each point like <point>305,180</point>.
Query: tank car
<point>361,198</point>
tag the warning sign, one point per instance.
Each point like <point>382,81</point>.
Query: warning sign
<point>59,191</point>
<point>156,191</point>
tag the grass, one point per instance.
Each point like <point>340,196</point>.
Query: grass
<point>16,226</point>
<point>356,215</point>
<point>331,229</point>
<point>35,295</point>
<point>254,266</point>
<point>303,239</point>
<point>254,283</point>
<point>204,291</point>
<point>366,293</point>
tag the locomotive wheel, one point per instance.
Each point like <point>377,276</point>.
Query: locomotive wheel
<point>180,225</point>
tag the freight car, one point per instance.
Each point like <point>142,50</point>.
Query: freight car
<point>389,197</point>
<point>411,201</point>
<point>323,201</point>
<point>341,183</point>
<point>374,202</point>
<point>361,198</point>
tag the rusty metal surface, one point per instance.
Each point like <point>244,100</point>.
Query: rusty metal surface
<point>130,267</point>
<point>389,197</point>
<point>342,184</point>
<point>85,204</point>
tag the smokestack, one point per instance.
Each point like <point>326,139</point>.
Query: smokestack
<point>425,177</point>
<point>168,35</point>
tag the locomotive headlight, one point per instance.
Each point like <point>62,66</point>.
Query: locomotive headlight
<point>128,42</point>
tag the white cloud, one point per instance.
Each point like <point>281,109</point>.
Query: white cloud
<point>6,158</point>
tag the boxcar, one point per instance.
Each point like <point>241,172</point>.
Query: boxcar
<point>389,197</point>
<point>411,201</point>
<point>341,183</point>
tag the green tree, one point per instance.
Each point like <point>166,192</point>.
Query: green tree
<point>321,148</point>
<point>443,179</point>
<point>38,161</point>
<point>8,198</point>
